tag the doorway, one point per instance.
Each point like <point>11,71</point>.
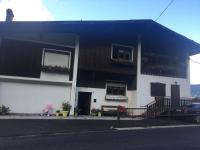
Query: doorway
<point>175,95</point>
<point>84,102</point>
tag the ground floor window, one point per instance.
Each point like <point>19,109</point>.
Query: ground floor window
<point>158,89</point>
<point>116,88</point>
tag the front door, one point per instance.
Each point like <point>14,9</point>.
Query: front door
<point>84,101</point>
<point>175,95</point>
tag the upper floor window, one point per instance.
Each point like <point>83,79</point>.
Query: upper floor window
<point>122,53</point>
<point>57,61</point>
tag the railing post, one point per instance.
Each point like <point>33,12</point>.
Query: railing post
<point>169,116</point>
<point>147,114</point>
<point>118,117</point>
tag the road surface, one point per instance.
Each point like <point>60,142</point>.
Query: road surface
<point>185,138</point>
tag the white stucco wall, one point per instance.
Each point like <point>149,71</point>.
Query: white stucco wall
<point>144,91</point>
<point>33,96</point>
<point>54,76</point>
<point>99,95</point>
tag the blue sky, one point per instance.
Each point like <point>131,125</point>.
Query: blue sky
<point>183,16</point>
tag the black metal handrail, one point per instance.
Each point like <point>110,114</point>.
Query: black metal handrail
<point>160,105</point>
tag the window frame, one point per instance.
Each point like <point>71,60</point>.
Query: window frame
<point>56,51</point>
<point>126,46</point>
<point>156,95</point>
<point>116,82</point>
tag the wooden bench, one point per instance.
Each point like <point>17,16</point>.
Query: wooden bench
<point>107,110</point>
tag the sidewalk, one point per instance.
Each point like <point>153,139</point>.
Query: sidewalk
<point>157,127</point>
<point>68,118</point>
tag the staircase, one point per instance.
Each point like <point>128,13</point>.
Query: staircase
<point>162,105</point>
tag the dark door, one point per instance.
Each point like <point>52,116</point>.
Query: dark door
<point>84,100</point>
<point>175,95</point>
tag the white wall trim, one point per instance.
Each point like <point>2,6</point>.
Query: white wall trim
<point>32,80</point>
<point>138,81</point>
<point>188,71</point>
<point>75,71</point>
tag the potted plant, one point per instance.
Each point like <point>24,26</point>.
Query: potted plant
<point>93,111</point>
<point>122,110</point>
<point>57,113</point>
<point>98,112</point>
<point>66,109</point>
<point>76,111</point>
<point>4,110</point>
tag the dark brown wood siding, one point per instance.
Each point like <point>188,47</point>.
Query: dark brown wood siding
<point>22,58</point>
<point>95,66</point>
<point>97,57</point>
<point>158,59</point>
<point>97,79</point>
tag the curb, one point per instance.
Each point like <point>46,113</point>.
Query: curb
<point>42,134</point>
<point>156,127</point>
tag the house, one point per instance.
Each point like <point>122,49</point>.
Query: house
<point>91,63</point>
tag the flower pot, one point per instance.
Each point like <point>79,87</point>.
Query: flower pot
<point>75,114</point>
<point>99,114</point>
<point>93,114</point>
<point>65,113</point>
<point>57,114</point>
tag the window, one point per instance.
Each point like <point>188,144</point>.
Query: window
<point>115,88</point>
<point>158,89</point>
<point>122,53</point>
<point>52,57</point>
<point>57,61</point>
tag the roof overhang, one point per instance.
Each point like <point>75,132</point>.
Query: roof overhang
<point>128,30</point>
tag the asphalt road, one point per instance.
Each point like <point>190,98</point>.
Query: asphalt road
<point>186,138</point>
<point>16,127</point>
